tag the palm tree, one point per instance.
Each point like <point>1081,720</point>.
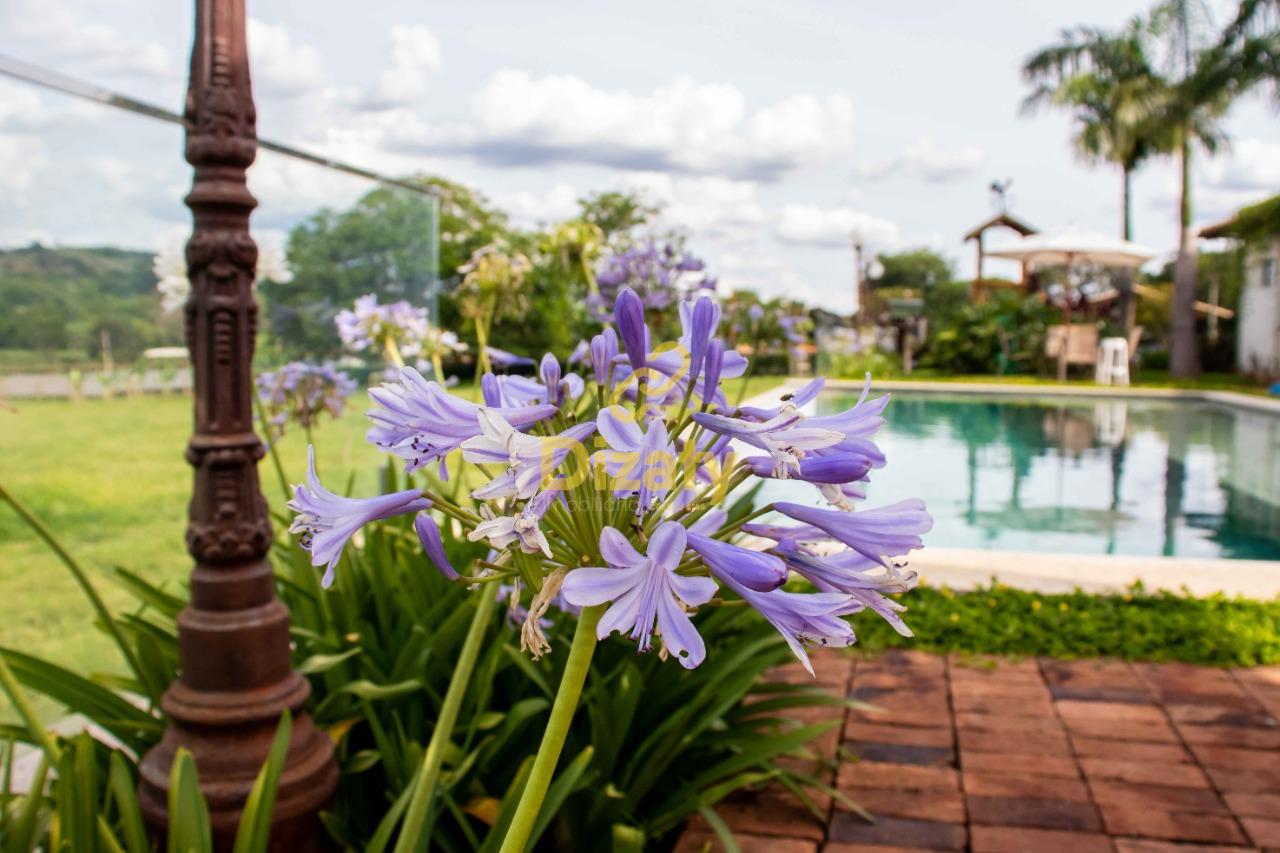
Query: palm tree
<point>1112,89</point>
<point>1195,102</point>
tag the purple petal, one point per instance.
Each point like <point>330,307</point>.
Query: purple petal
<point>619,428</point>
<point>628,313</point>
<point>678,634</point>
<point>429,536</point>
<point>588,587</point>
<point>667,545</point>
<point>617,551</point>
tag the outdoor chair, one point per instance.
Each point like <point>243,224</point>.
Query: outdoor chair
<point>1076,345</point>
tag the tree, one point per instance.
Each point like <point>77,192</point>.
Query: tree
<point>1109,84</point>
<point>915,269</point>
<point>385,244</point>
<point>1191,113</point>
<point>616,212</point>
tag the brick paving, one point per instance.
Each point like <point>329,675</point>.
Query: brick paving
<point>1029,756</point>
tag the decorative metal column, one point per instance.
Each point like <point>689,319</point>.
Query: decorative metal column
<point>236,678</point>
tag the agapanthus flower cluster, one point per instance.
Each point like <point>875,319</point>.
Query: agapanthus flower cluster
<point>660,274</point>
<point>300,392</point>
<point>369,326</point>
<point>605,485</point>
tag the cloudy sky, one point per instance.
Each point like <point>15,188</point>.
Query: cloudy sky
<point>768,130</point>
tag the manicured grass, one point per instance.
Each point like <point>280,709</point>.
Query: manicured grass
<point>109,479</point>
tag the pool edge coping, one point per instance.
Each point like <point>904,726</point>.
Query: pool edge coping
<point>1230,398</point>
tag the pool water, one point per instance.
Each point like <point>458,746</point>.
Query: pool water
<point>1078,474</point>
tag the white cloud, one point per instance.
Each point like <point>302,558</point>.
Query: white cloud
<point>517,119</point>
<point>529,208</point>
<point>55,32</point>
<point>923,158</point>
<point>23,159</point>
<point>1248,165</point>
<point>281,68</point>
<point>415,58</point>
<point>832,227</point>
<point>1245,172</point>
<point>706,206</point>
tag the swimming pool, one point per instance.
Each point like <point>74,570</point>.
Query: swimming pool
<point>1087,475</point>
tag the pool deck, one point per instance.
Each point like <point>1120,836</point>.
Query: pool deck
<point>965,568</point>
<point>995,755</point>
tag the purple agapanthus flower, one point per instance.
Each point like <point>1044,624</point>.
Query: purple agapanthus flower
<point>658,274</point>
<point>525,527</point>
<point>645,591</point>
<point>804,618</point>
<point>878,534</point>
<point>642,462</point>
<point>429,535</point>
<point>301,391</point>
<point>503,360</point>
<point>529,459</point>
<point>370,326</point>
<point>858,424</point>
<point>628,312</point>
<point>604,349</point>
<point>852,573</point>
<point>581,354</point>
<point>516,391</point>
<point>325,521</point>
<point>419,421</point>
<point>784,437</point>
<point>674,362</point>
<point>752,569</point>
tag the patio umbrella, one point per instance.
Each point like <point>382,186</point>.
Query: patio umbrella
<point>1067,247</point>
<point>1074,245</point>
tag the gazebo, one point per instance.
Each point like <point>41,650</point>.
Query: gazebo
<point>1000,220</point>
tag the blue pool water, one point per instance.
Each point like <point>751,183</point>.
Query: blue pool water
<point>1078,474</point>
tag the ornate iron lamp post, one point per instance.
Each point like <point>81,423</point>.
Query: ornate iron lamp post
<point>236,677</point>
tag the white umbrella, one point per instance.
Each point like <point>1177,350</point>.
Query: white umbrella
<point>1074,245</point>
<point>1066,247</point>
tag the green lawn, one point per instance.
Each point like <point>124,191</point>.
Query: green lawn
<point>109,478</point>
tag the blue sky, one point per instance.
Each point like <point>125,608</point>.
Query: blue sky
<point>768,130</point>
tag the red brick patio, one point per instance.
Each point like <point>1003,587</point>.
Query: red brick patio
<point>1033,756</point>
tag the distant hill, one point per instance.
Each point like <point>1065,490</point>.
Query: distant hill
<point>64,299</point>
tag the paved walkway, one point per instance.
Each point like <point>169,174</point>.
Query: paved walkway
<point>1034,756</point>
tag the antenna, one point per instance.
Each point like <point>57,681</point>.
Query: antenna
<point>1000,194</point>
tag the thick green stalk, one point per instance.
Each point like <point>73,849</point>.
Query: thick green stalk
<point>562,710</point>
<point>424,788</point>
<point>82,579</point>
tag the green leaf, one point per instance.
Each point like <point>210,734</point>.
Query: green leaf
<point>189,830</point>
<point>559,790</point>
<point>317,664</point>
<point>131,725</point>
<point>125,794</point>
<point>720,828</point>
<point>255,821</point>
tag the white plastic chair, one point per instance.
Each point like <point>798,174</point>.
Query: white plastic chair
<point>1112,367</point>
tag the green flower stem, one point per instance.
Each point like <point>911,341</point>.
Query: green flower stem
<point>272,450</point>
<point>82,579</point>
<point>746,376</point>
<point>424,788</point>
<point>391,352</point>
<point>28,714</point>
<point>562,710</point>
